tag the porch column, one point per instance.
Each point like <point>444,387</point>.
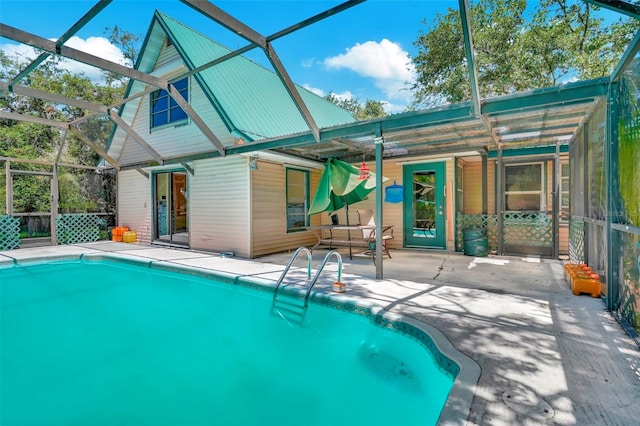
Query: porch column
<point>557,190</point>
<point>54,205</point>
<point>379,216</point>
<point>613,209</point>
<point>8,187</point>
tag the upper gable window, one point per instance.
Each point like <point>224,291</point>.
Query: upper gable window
<point>165,110</point>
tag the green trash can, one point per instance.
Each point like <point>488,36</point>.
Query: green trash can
<point>475,242</point>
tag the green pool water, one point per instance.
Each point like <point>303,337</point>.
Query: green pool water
<point>109,343</point>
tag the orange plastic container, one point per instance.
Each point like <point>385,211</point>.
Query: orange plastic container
<point>586,283</point>
<point>573,268</point>
<point>118,232</point>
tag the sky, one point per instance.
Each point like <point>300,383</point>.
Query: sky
<point>362,52</point>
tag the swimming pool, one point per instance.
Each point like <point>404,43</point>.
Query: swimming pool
<point>103,342</point>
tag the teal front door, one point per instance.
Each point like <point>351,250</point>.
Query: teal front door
<point>424,205</point>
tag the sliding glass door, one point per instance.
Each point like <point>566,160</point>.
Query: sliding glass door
<point>171,202</point>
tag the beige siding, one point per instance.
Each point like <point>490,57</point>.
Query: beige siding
<point>472,181</point>
<point>134,203</point>
<point>268,199</point>
<point>167,55</point>
<point>491,187</point>
<point>449,194</point>
<point>472,195</point>
<point>563,245</point>
<point>219,205</point>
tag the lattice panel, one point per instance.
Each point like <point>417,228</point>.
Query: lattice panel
<point>77,228</point>
<point>629,279</point>
<point>9,232</point>
<point>488,222</point>
<point>576,239</point>
<point>528,229</point>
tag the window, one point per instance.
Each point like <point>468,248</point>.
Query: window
<point>297,200</point>
<point>164,109</point>
<point>524,188</point>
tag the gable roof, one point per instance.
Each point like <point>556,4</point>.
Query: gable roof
<point>250,100</point>
<point>251,96</point>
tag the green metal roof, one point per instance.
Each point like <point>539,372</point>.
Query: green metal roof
<point>251,99</point>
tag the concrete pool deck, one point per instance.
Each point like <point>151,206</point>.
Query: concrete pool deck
<point>546,356</point>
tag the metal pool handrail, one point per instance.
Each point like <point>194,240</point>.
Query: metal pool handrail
<point>286,269</point>
<point>315,277</point>
<point>303,308</point>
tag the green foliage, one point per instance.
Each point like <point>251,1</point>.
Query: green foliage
<point>563,40</point>
<point>31,194</point>
<point>629,149</point>
<point>30,141</point>
<point>370,109</point>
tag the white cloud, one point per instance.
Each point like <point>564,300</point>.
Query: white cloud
<point>315,90</point>
<point>97,46</point>
<point>393,108</point>
<point>19,51</point>
<point>385,62</point>
<point>307,63</point>
<point>346,95</point>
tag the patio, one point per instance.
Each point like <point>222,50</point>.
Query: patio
<point>539,347</point>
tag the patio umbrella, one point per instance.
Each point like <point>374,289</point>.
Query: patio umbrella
<point>339,187</point>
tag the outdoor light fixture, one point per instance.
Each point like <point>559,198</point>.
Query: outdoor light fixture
<point>253,163</point>
<point>364,172</point>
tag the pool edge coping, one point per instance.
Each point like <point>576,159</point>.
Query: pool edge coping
<point>457,406</point>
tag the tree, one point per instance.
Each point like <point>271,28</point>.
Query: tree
<point>370,109</point>
<point>31,141</point>
<point>563,40</point>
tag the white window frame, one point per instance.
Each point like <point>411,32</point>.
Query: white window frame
<point>541,192</point>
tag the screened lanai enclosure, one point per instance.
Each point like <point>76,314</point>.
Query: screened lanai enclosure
<point>548,172</point>
<point>54,203</point>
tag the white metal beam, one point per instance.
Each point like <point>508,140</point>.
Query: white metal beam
<point>231,23</point>
<point>77,55</point>
<point>77,133</point>
<point>58,99</point>
<point>31,119</point>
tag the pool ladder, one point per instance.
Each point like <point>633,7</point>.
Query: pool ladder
<point>292,308</point>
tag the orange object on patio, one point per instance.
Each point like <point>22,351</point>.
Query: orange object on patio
<point>117,233</point>
<point>586,283</point>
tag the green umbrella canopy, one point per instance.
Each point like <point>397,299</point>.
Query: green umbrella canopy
<point>339,185</point>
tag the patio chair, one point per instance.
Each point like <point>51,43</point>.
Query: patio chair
<point>366,217</point>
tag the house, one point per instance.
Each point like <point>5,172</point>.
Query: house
<point>449,172</point>
<point>245,204</point>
